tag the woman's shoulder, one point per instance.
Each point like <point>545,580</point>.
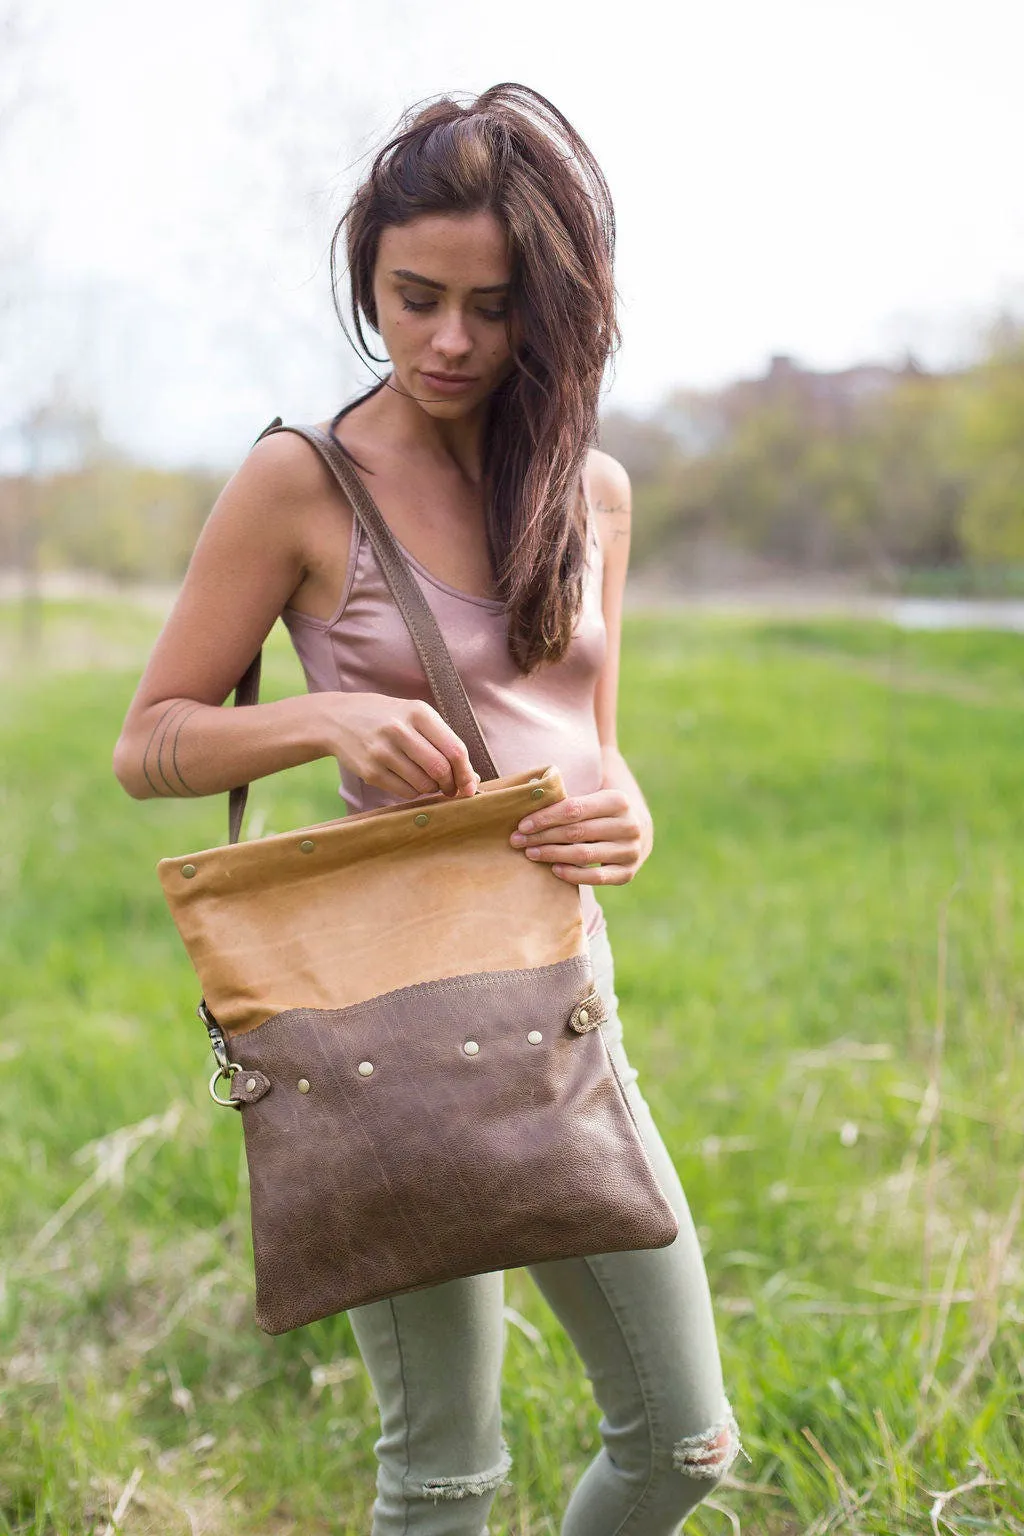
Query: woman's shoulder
<point>320,512</point>
<point>304,506</point>
<point>288,463</point>
<point>606,477</point>
<point>264,501</point>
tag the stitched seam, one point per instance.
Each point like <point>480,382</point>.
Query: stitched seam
<point>354,543</point>
<point>605,973</point>
<point>405,1406</point>
<point>444,586</point>
<point>605,1291</point>
<point>604,968</point>
<point>465,983</point>
<point>355,549</point>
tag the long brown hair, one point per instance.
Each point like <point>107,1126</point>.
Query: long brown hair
<point>511,152</point>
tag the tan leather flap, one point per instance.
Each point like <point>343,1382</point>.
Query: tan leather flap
<point>340,912</point>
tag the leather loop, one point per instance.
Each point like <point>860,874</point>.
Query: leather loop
<point>240,1090</point>
<point>588,1013</point>
<point>450,697</point>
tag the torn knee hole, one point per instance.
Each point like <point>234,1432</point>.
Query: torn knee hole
<point>474,1483</point>
<point>711,1453</point>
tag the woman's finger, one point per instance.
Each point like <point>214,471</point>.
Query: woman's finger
<point>395,761</point>
<point>595,874</point>
<point>607,829</point>
<point>445,751</point>
<point>596,806</point>
<point>581,854</point>
<point>393,783</point>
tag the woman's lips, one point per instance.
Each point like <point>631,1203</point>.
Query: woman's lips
<point>447,386</point>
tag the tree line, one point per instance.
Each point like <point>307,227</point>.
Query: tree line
<point>875,471</point>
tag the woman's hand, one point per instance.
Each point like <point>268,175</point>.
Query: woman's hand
<point>595,839</point>
<point>401,746</point>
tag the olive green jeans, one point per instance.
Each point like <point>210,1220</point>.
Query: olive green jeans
<point>642,1324</point>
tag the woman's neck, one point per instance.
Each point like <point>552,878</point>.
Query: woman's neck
<point>393,417</point>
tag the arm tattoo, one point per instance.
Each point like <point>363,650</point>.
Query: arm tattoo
<point>174,748</point>
<point>182,708</point>
<point>614,509</point>
<point>170,710</point>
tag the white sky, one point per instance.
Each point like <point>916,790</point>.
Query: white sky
<point>837,179</point>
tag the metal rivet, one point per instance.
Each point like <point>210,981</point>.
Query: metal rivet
<point>187,871</point>
<point>307,845</point>
<point>365,1068</point>
<point>303,1085</point>
<point>422,819</point>
<point>250,1084</point>
<point>536,794</point>
<point>471,1048</point>
<point>535,1037</point>
<point>584,1016</point>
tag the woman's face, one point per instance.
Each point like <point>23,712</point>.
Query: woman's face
<point>441,286</point>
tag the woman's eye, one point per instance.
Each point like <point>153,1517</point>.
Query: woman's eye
<point>488,314</point>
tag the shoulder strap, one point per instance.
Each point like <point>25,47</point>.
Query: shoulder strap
<point>450,696</point>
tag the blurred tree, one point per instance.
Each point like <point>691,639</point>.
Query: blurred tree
<point>129,521</point>
<point>872,469</point>
<point>658,469</point>
<point>989,448</point>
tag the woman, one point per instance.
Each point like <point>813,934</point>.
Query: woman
<point>480,249</point>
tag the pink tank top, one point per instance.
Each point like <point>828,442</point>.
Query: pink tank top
<point>528,722</point>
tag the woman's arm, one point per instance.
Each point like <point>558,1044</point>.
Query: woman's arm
<point>248,561</point>
<point>611,498</point>
<point>600,838</point>
<point>176,738</point>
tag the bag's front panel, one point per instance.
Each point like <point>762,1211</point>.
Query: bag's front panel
<point>448,1128</point>
<point>365,905</point>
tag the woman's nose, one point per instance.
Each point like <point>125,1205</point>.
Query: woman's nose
<point>451,338</point>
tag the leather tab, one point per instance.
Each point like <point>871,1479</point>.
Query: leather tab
<point>241,1092</point>
<point>592,1006</point>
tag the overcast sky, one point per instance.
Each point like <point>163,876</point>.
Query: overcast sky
<point>835,179</point>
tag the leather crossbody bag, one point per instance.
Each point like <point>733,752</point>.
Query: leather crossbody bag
<point>402,1008</point>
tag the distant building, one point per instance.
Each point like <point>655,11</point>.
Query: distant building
<point>699,421</point>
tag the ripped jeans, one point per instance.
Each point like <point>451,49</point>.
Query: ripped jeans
<point>643,1327</point>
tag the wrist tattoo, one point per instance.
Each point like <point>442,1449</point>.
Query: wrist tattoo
<point>162,755</point>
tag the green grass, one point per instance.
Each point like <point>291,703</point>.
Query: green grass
<point>820,971</point>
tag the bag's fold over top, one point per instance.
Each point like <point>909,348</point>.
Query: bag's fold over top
<point>334,914</point>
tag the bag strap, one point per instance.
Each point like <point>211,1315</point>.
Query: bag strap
<point>445,684</point>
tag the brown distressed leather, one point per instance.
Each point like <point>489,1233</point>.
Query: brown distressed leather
<point>391,939</point>
<point>249,1086</point>
<point>513,1155</point>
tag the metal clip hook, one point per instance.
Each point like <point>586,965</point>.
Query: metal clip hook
<point>225,1067</point>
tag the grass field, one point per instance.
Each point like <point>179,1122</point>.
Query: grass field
<point>821,971</point>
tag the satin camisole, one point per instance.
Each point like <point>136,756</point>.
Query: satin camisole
<point>527,722</point>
